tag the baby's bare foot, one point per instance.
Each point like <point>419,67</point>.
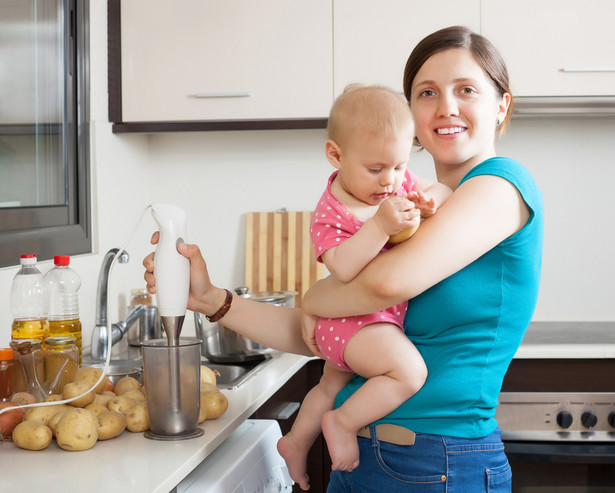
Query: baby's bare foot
<point>342,444</point>
<point>295,459</point>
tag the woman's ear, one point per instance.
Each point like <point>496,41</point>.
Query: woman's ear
<point>503,105</point>
<point>333,153</point>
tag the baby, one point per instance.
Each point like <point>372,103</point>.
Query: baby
<point>369,199</point>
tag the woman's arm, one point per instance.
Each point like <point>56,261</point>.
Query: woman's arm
<point>480,214</point>
<point>269,325</point>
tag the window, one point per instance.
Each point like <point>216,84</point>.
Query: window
<point>44,156</point>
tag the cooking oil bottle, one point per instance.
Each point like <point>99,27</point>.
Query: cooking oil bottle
<point>29,302</point>
<point>63,284</point>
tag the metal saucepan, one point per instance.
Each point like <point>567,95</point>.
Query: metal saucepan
<point>222,345</point>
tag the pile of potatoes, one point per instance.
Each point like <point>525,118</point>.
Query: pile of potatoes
<point>101,414</point>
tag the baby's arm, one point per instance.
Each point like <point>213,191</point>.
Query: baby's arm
<point>429,196</point>
<point>349,258</point>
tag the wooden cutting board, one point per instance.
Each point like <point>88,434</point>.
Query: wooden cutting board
<point>279,253</point>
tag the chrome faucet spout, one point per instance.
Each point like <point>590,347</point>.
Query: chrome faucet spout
<point>99,334</point>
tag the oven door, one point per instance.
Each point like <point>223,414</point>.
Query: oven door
<point>561,467</point>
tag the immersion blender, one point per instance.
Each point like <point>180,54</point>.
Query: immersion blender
<point>172,271</point>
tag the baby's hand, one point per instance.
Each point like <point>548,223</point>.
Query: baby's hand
<point>396,214</point>
<point>427,206</point>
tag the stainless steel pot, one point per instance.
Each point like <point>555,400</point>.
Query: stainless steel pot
<point>222,345</point>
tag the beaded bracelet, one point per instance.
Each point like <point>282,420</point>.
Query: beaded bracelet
<point>226,306</point>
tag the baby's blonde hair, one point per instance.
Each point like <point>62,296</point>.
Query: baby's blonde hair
<point>374,109</point>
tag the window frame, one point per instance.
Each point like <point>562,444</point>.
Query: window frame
<point>66,229</point>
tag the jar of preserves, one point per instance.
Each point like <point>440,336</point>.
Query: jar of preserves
<point>29,371</point>
<point>61,362</point>
<point>6,374</point>
<point>140,297</point>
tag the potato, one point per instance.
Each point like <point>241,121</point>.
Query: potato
<point>23,398</point>
<point>120,404</point>
<point>215,404</point>
<point>208,387</point>
<point>77,429</point>
<point>104,398</point>
<point>125,384</point>
<point>9,419</point>
<point>32,435</point>
<point>54,421</point>
<point>110,425</point>
<point>137,418</point>
<point>135,395</point>
<point>202,410</point>
<point>53,398</point>
<point>74,389</point>
<point>44,413</point>
<point>96,408</point>
<point>91,375</point>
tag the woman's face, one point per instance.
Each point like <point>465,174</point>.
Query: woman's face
<point>455,107</point>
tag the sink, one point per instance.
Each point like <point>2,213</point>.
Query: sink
<point>234,375</point>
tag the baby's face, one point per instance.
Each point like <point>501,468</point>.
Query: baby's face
<point>373,168</point>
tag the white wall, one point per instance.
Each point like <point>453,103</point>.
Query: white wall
<point>217,177</point>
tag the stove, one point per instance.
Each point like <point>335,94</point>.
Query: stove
<point>557,408</point>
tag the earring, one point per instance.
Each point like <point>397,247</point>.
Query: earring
<point>498,122</point>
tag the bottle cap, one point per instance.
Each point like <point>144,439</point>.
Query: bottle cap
<point>6,353</point>
<point>62,260</point>
<point>28,259</point>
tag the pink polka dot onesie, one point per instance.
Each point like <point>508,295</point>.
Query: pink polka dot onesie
<point>332,223</point>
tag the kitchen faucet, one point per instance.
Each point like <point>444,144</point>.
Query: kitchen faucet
<point>99,334</point>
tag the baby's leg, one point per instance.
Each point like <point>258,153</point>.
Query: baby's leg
<point>395,371</point>
<point>295,445</point>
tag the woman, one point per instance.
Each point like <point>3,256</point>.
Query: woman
<point>470,273</point>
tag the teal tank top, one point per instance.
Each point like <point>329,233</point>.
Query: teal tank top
<point>469,326</point>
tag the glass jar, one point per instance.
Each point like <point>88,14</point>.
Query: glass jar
<point>61,362</point>
<point>29,367</point>
<point>6,374</point>
<point>140,297</point>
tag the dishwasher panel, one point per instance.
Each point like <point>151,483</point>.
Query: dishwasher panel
<point>246,462</point>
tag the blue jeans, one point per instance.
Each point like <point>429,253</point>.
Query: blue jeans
<point>435,463</point>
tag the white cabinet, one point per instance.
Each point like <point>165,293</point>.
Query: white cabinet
<point>372,40</point>
<point>554,47</point>
<point>195,60</point>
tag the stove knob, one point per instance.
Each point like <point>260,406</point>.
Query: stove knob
<point>589,419</point>
<point>611,419</point>
<point>564,419</point>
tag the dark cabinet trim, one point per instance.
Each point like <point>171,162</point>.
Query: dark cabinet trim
<point>217,125</point>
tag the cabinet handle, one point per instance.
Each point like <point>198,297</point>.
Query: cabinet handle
<point>211,95</point>
<point>588,69</point>
<point>285,410</point>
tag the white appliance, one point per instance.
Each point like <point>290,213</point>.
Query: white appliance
<point>246,462</point>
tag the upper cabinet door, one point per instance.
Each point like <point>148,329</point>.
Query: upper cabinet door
<point>372,40</point>
<point>190,60</point>
<point>554,47</point>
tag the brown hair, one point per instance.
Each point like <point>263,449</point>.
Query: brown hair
<point>483,51</point>
<point>372,108</point>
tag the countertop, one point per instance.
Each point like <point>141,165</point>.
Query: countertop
<point>568,340</point>
<point>134,463</point>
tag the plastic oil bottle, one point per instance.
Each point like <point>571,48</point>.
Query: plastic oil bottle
<point>29,302</point>
<point>63,284</point>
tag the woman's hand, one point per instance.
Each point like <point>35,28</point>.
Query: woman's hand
<point>308,331</point>
<point>204,296</point>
